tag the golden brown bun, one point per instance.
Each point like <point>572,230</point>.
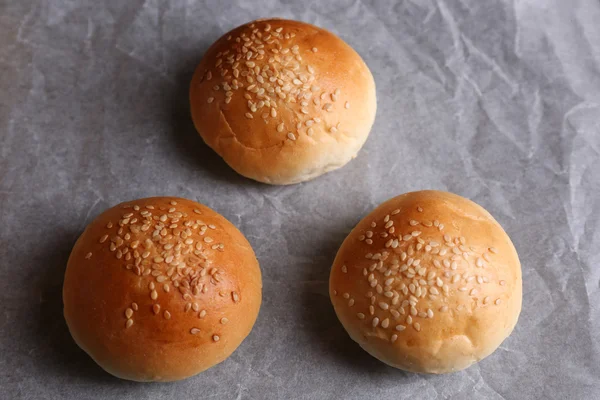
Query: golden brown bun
<point>454,308</point>
<point>146,311</point>
<point>308,114</point>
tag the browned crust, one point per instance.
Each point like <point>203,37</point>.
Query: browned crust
<point>254,147</point>
<point>478,319</point>
<point>99,289</point>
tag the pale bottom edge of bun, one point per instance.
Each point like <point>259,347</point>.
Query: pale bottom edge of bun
<point>310,175</point>
<point>415,370</point>
<point>307,174</point>
<point>467,360</point>
<point>131,376</point>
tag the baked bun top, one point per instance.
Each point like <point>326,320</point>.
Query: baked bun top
<point>427,282</point>
<point>283,101</point>
<point>159,289</point>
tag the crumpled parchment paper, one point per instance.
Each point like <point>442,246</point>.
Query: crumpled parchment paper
<point>498,101</point>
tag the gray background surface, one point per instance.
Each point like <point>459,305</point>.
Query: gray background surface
<point>497,101</point>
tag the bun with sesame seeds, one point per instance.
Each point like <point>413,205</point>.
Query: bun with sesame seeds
<point>427,282</point>
<point>160,289</point>
<point>283,101</point>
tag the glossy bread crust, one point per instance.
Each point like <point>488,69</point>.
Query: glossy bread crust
<point>283,101</point>
<point>160,289</point>
<point>427,282</point>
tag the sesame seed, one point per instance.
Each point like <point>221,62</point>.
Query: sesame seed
<point>224,320</point>
<point>375,322</point>
<point>88,256</point>
<point>128,323</point>
<point>134,306</point>
<point>195,331</point>
<point>417,326</point>
<point>156,308</point>
<point>202,314</point>
<point>128,313</point>
<point>291,136</point>
<point>360,316</point>
<point>498,302</point>
<point>154,295</point>
<point>216,338</point>
<point>443,308</point>
<point>344,269</point>
<point>493,250</point>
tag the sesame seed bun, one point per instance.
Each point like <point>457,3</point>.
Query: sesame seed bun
<point>427,282</point>
<point>283,101</point>
<point>160,289</point>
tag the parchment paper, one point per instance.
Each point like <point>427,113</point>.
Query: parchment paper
<point>498,101</point>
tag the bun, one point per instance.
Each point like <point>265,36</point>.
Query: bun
<point>283,101</point>
<point>427,282</point>
<point>160,289</point>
